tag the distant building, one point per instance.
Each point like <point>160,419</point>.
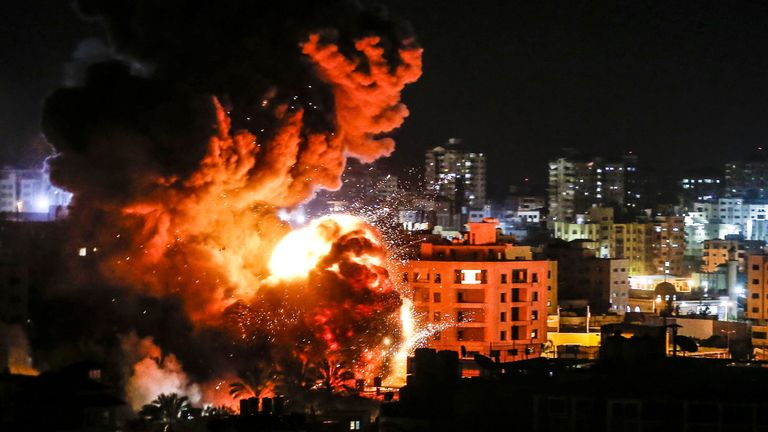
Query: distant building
<point>757,289</point>
<point>24,191</point>
<point>576,184</point>
<point>492,298</point>
<point>700,187</point>
<point>456,173</point>
<point>667,245</point>
<point>718,252</point>
<point>749,219</point>
<point>747,180</point>
<point>602,282</point>
<point>630,241</point>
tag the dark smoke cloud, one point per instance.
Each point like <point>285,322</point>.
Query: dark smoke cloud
<point>140,124</point>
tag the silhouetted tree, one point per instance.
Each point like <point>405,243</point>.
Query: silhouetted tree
<point>172,407</point>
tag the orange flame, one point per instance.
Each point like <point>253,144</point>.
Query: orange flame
<point>214,238</point>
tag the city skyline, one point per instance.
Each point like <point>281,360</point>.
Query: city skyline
<point>315,215</point>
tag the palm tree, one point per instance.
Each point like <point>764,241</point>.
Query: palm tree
<point>253,383</point>
<point>335,377</point>
<point>172,406</point>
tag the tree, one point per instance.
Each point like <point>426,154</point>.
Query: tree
<point>253,382</point>
<point>335,377</point>
<point>172,407</point>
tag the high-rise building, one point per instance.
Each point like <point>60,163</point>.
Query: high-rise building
<point>667,245</point>
<point>700,186</point>
<point>576,184</point>
<point>488,298</point>
<point>747,180</point>
<point>456,173</point>
<point>632,183</point>
<point>630,241</point>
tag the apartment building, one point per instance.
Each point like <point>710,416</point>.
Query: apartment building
<point>487,298</point>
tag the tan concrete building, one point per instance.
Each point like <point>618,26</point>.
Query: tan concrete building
<point>757,291</point>
<point>667,245</point>
<point>490,298</point>
<point>630,241</point>
<point>718,252</point>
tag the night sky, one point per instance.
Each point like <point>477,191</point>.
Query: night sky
<point>682,84</point>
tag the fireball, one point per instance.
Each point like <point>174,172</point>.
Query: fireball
<point>301,250</point>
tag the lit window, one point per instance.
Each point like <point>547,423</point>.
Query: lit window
<point>83,251</point>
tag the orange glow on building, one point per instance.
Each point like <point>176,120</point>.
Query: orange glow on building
<point>490,298</point>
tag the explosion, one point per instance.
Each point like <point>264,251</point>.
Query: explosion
<point>180,156</point>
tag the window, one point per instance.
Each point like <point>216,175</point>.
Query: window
<point>405,277</point>
<point>354,425</point>
<point>515,314</point>
<point>759,335</point>
<point>755,310</point>
<point>755,267</point>
<point>755,282</point>
<point>519,276</point>
<point>459,335</point>
<point>503,335</point>
<point>436,317</point>
<point>534,333</point>
<point>503,278</point>
<point>460,316</point>
<point>436,297</point>
<point>515,333</point>
<point>437,278</point>
<point>503,317</point>
<point>755,295</point>
<point>535,296</point>
<point>535,277</point>
<point>416,276</point>
<point>503,298</point>
<point>460,297</point>
<point>515,294</point>
<point>534,315</point>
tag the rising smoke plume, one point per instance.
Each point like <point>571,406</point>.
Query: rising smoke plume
<point>211,117</point>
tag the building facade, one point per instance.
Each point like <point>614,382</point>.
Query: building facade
<point>577,184</point>
<point>757,289</point>
<point>667,245</point>
<point>29,191</point>
<point>457,174</point>
<point>487,298</point>
<point>747,180</point>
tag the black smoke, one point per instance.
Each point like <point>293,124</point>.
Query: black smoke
<point>147,113</point>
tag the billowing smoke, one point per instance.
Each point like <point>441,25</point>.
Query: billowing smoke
<point>149,373</point>
<point>211,117</point>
